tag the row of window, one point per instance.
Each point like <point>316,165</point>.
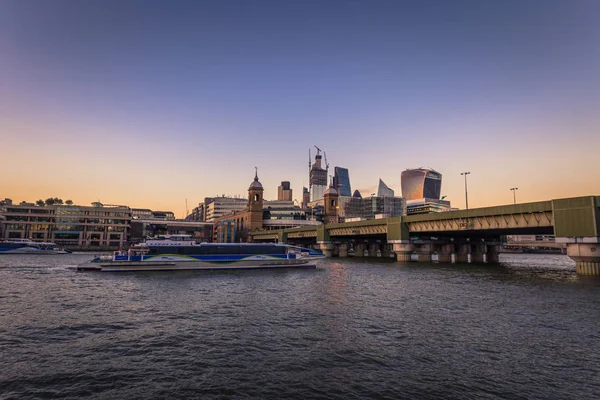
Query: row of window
<point>219,250</point>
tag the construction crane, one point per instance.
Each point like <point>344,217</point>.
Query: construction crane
<point>318,150</point>
<point>326,163</point>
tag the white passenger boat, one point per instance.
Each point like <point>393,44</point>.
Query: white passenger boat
<point>180,252</point>
<point>26,246</point>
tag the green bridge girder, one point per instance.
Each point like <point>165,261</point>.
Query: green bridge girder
<point>570,217</point>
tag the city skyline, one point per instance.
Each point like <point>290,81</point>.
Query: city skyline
<point>149,104</point>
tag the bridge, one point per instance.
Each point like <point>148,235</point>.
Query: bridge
<point>459,236</point>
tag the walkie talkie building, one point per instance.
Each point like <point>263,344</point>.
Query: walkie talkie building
<point>421,183</point>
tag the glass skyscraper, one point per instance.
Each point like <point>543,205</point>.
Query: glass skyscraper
<point>421,183</point>
<point>341,181</point>
<point>383,190</point>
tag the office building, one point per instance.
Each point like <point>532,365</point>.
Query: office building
<point>383,190</point>
<point>358,208</point>
<point>217,207</point>
<point>421,183</point>
<point>426,206</point>
<point>341,181</point>
<point>305,197</point>
<point>317,177</point>
<point>69,226</point>
<point>284,192</point>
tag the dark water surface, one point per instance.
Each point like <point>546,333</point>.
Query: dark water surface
<point>528,328</point>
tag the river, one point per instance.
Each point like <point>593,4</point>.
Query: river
<point>353,328</point>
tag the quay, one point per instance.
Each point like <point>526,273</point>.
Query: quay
<point>472,235</point>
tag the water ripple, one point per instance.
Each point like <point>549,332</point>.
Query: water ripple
<point>352,329</point>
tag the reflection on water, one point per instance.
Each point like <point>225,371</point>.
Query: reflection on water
<point>354,328</point>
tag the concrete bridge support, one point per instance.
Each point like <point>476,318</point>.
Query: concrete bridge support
<point>478,253</point>
<point>359,250</point>
<point>403,250</point>
<point>342,250</point>
<point>374,250</point>
<point>444,252</point>
<point>493,254</point>
<point>463,253</point>
<point>387,251</point>
<point>424,252</point>
<point>586,257</point>
<point>326,248</point>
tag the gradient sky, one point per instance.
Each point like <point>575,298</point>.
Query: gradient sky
<point>150,103</point>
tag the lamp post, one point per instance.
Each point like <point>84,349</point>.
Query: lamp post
<point>514,190</point>
<point>466,193</point>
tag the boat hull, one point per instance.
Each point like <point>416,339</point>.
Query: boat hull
<point>34,251</point>
<point>160,265</point>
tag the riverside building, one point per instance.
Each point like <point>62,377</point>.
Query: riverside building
<point>68,226</point>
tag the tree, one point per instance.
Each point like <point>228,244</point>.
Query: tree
<point>58,201</point>
<point>40,203</point>
<point>69,202</point>
<point>49,201</point>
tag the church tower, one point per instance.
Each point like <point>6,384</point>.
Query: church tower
<point>255,204</point>
<point>331,205</point>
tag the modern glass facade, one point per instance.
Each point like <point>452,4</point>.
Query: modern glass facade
<point>341,181</point>
<point>372,207</point>
<point>421,183</point>
<point>383,190</point>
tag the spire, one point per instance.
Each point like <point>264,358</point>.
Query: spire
<point>255,183</point>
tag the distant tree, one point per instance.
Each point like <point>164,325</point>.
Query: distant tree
<point>49,201</point>
<point>69,202</point>
<point>58,201</point>
<point>40,203</point>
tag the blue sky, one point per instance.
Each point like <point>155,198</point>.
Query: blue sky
<point>183,99</point>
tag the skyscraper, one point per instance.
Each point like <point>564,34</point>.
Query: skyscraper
<point>305,197</point>
<point>341,181</point>
<point>383,190</point>
<point>421,183</point>
<point>284,192</point>
<point>317,177</point>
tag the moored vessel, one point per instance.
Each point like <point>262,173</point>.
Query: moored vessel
<point>180,252</point>
<point>25,246</point>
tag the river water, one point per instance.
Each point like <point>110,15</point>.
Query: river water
<point>353,328</point>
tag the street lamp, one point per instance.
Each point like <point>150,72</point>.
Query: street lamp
<point>466,193</point>
<point>514,190</point>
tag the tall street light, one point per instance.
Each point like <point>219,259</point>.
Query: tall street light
<point>466,193</point>
<point>514,190</point>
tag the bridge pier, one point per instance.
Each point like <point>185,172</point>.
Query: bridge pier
<point>463,253</point>
<point>478,253</point>
<point>342,250</point>
<point>424,252</point>
<point>326,248</point>
<point>359,250</point>
<point>373,249</point>
<point>387,251</point>
<point>444,252</point>
<point>493,254</point>
<point>403,250</point>
<point>586,257</point>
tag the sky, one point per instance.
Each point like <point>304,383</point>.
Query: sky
<point>155,103</point>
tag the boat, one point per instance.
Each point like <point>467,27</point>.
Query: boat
<point>181,252</point>
<point>26,246</point>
